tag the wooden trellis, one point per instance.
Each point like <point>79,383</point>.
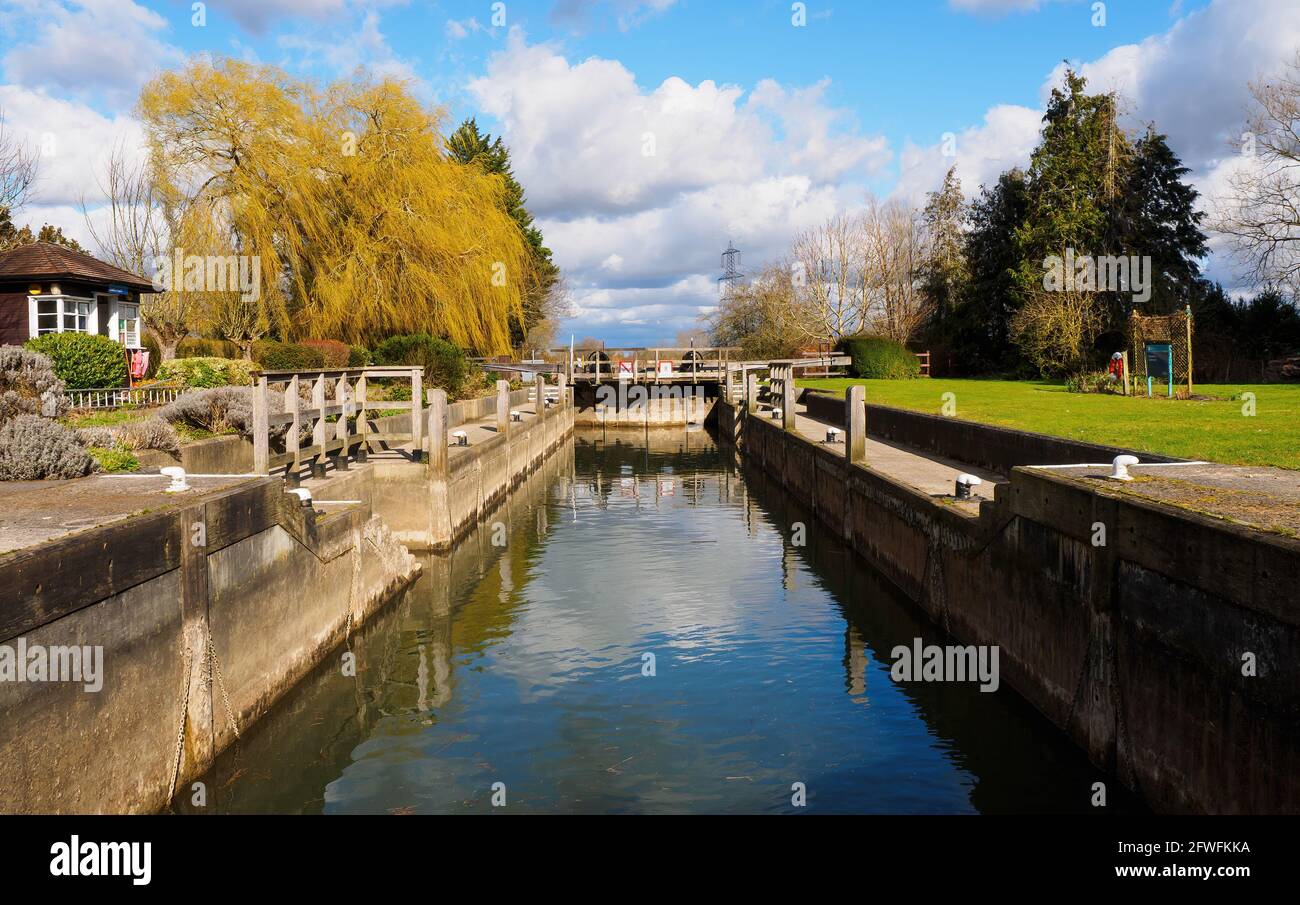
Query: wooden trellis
<point>1172,330</point>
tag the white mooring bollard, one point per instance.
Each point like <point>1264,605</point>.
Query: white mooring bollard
<point>964,484</point>
<point>177,475</point>
<point>1120,467</point>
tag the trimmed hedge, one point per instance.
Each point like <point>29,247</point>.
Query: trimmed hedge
<point>878,358</point>
<point>84,360</point>
<point>277,356</point>
<point>336,354</point>
<point>208,372</point>
<point>444,364</point>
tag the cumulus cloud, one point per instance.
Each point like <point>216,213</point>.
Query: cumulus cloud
<point>73,140</point>
<point>638,189</point>
<point>980,153</point>
<point>70,48</point>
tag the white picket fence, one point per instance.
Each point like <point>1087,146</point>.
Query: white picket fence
<point>156,394</point>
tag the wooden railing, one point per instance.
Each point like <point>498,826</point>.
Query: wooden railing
<point>924,359</point>
<point>107,398</point>
<point>350,428</point>
<point>647,365</point>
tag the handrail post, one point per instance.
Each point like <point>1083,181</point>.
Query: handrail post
<point>318,429</point>
<point>564,390</point>
<point>291,440</point>
<point>503,407</point>
<point>341,426</point>
<point>363,427</point>
<point>855,424</point>
<point>417,412</point>
<point>787,398</point>
<point>540,383</point>
<point>261,428</point>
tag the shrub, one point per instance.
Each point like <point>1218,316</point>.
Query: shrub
<point>1091,382</point>
<point>28,385</point>
<point>335,354</point>
<point>276,356</point>
<point>209,372</point>
<point>359,357</point>
<point>83,360</point>
<point>197,347</point>
<point>878,358</point>
<point>113,458</point>
<point>444,364</point>
<point>219,409</point>
<point>33,448</point>
<point>151,433</point>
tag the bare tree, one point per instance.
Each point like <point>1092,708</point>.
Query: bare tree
<point>894,251</point>
<point>18,170</point>
<point>828,276</point>
<point>756,316</point>
<point>1261,211</point>
<point>1056,329</point>
<point>134,234</point>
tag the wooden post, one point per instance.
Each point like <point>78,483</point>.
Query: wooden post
<point>540,392</point>
<point>318,431</point>
<point>363,426</point>
<point>503,407</point>
<point>439,505</point>
<point>291,441</point>
<point>261,428</point>
<point>751,391</point>
<point>417,412</point>
<point>564,390</point>
<point>195,633</point>
<point>341,426</point>
<point>855,424</point>
<point>787,398</point>
<point>1128,384</point>
<point>438,434</point>
<point>1189,351</point>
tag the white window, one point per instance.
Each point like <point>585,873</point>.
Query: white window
<point>128,319</point>
<point>59,314</point>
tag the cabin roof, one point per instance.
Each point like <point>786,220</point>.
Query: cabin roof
<point>47,261</point>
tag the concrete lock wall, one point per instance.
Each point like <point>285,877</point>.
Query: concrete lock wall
<point>1135,648</point>
<point>244,582</point>
<point>432,511</point>
<point>200,640</point>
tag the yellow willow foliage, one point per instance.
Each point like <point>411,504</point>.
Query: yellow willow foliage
<point>412,241</point>
<point>364,228</point>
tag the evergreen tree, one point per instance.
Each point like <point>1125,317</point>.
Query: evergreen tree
<point>1157,217</point>
<point>944,271</point>
<point>468,145</point>
<point>980,327</point>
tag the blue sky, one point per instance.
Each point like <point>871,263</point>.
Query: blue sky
<point>759,128</point>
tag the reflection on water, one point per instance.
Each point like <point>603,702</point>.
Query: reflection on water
<point>526,664</point>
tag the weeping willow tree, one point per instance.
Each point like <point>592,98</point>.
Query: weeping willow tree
<point>362,225</point>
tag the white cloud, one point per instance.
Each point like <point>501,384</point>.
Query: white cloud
<point>981,153</point>
<point>74,140</point>
<point>460,30</point>
<point>83,47</point>
<point>638,190</point>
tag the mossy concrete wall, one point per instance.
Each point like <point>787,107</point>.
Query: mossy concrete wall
<point>1137,649</point>
<point>229,597</point>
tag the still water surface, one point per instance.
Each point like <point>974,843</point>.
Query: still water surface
<point>526,664</point>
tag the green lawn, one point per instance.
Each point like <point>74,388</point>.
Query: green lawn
<point>1213,429</point>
